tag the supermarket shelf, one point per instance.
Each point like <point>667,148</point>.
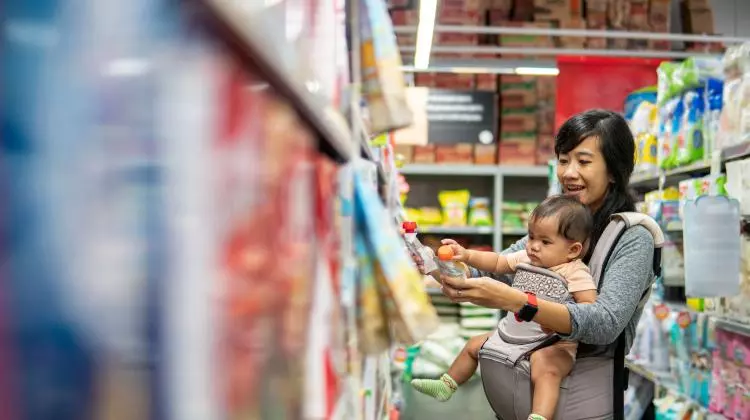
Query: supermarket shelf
<point>671,177</point>
<point>515,232</point>
<point>644,372</point>
<point>458,230</point>
<point>738,151</point>
<point>241,30</point>
<point>448,169</point>
<point>525,171</point>
<point>733,326</point>
<point>474,170</point>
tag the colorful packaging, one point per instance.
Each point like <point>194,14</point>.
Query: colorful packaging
<point>667,134</point>
<point>690,147</point>
<point>383,84</point>
<point>479,212</point>
<point>455,205</point>
<point>714,103</point>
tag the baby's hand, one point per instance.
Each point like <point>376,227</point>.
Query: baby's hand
<point>459,253</point>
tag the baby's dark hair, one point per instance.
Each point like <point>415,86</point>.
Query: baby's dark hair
<point>575,221</point>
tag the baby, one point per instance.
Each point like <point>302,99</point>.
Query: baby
<point>559,229</point>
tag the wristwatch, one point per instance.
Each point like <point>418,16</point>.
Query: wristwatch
<point>529,310</point>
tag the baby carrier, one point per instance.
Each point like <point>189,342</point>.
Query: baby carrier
<point>596,386</point>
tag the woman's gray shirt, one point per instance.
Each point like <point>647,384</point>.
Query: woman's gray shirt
<point>628,275</point>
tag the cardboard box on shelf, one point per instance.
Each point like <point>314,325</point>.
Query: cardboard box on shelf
<point>523,10</point>
<point>546,88</point>
<point>458,17</point>
<point>512,79</point>
<point>405,17</point>
<point>465,5</point>
<point>455,153</point>
<point>404,152</point>
<point>638,21</point>
<point>425,79</point>
<point>557,10</point>
<point>485,154</point>
<point>487,82</point>
<point>455,81</point>
<point>545,148</point>
<point>659,18</point>
<point>618,19</point>
<point>573,42</point>
<point>497,17</point>
<point>546,118</point>
<point>450,38</point>
<point>424,154</point>
<point>697,4</point>
<point>519,120</point>
<point>698,21</point>
<point>518,98</point>
<point>517,149</point>
<point>596,19</point>
<point>513,40</point>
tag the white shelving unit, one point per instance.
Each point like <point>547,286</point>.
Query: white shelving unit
<point>498,175</point>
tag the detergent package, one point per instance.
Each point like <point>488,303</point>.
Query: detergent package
<point>669,130</point>
<point>690,141</point>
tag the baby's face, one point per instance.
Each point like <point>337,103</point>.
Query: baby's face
<point>546,248</point>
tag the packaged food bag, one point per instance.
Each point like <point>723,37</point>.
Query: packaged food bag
<point>407,305</point>
<point>371,317</point>
<point>383,85</point>
<point>455,207</point>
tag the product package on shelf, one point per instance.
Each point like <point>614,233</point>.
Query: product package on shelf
<point>412,317</point>
<point>383,85</point>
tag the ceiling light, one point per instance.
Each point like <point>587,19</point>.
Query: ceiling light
<point>538,71</point>
<point>425,30</point>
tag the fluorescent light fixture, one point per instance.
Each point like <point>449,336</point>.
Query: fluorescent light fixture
<point>538,71</point>
<point>425,31</point>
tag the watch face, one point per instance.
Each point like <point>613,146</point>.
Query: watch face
<point>528,312</point>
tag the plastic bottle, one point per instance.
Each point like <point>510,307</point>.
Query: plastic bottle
<point>417,249</point>
<point>447,266</point>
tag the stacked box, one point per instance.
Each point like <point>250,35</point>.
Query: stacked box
<point>518,125</point>
<point>563,14</point>
<point>596,19</point>
<point>498,11</point>
<point>523,10</point>
<point>638,21</point>
<point>454,153</point>
<point>455,81</point>
<point>487,82</point>
<point>545,148</point>
<point>517,149</point>
<point>424,154</point>
<point>462,12</point>
<point>660,21</point>
<point>525,41</point>
<point>697,17</point>
<point>547,92</point>
<point>618,19</point>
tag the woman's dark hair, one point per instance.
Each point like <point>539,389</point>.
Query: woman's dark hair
<point>618,148</point>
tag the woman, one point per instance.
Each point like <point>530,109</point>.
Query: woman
<point>595,151</point>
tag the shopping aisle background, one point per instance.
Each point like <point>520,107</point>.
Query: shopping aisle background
<point>203,198</point>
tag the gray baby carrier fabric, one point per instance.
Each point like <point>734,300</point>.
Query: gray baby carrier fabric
<point>595,388</point>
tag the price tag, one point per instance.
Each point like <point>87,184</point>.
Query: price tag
<point>661,312</point>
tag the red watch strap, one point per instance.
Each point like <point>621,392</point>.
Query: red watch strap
<point>531,302</point>
<point>532,299</point>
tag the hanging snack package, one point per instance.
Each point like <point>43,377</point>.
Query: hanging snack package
<point>479,212</point>
<point>407,305</point>
<point>455,205</point>
<point>371,317</point>
<point>382,79</point>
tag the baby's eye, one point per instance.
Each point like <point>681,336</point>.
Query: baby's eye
<point>545,242</point>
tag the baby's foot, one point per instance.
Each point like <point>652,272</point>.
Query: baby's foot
<point>441,389</point>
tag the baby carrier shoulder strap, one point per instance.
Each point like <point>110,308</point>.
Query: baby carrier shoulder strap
<point>619,223</point>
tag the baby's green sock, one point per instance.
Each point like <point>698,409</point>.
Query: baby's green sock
<point>536,417</point>
<point>441,389</point>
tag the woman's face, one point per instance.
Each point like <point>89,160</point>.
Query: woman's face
<point>583,173</point>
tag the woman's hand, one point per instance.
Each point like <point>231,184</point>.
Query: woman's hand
<point>484,291</point>
<point>459,253</point>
